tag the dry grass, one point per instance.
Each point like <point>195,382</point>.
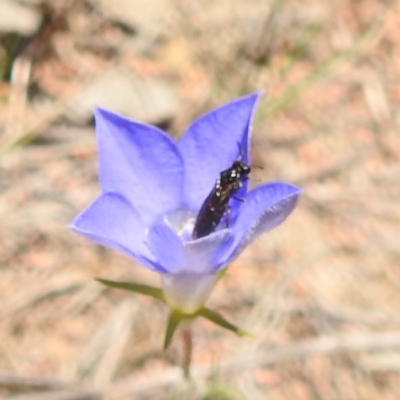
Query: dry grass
<point>321,293</point>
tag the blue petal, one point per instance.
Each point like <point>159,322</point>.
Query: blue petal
<point>196,257</point>
<point>212,143</point>
<point>112,222</point>
<point>165,245</point>
<point>202,256</point>
<point>265,208</point>
<point>140,162</point>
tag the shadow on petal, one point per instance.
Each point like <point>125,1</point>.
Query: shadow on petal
<point>266,207</point>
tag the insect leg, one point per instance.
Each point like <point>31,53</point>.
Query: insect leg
<point>227,213</point>
<point>239,199</point>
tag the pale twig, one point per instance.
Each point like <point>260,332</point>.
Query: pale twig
<point>335,169</point>
<point>120,332</point>
<point>141,386</point>
<point>17,100</point>
<point>187,344</point>
<point>28,382</point>
<point>357,342</point>
<point>100,357</point>
<point>35,294</point>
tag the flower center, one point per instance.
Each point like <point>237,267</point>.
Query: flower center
<point>182,222</point>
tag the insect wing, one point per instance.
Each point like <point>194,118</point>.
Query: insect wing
<point>208,216</point>
<point>216,203</point>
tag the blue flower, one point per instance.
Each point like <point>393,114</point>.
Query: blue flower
<point>152,188</point>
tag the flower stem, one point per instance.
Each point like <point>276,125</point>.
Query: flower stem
<point>187,341</point>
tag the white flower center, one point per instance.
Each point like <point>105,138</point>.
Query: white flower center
<point>182,222</point>
<point>192,278</point>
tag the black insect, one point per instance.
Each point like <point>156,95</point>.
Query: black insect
<point>216,203</point>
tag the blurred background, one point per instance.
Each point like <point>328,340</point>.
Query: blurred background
<point>321,293</point>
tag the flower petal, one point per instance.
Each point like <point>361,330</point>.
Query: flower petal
<point>139,161</point>
<point>196,257</point>
<point>187,291</point>
<point>265,208</point>
<point>112,222</point>
<point>212,143</point>
<point>201,256</point>
<point>166,246</point>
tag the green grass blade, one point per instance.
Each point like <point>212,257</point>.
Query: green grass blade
<point>173,322</point>
<point>221,321</point>
<point>135,287</point>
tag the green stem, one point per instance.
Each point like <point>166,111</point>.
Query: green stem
<point>187,341</point>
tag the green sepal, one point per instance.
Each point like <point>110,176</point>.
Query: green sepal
<point>221,321</point>
<point>174,319</point>
<point>220,273</point>
<point>135,287</point>
<point>175,316</point>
